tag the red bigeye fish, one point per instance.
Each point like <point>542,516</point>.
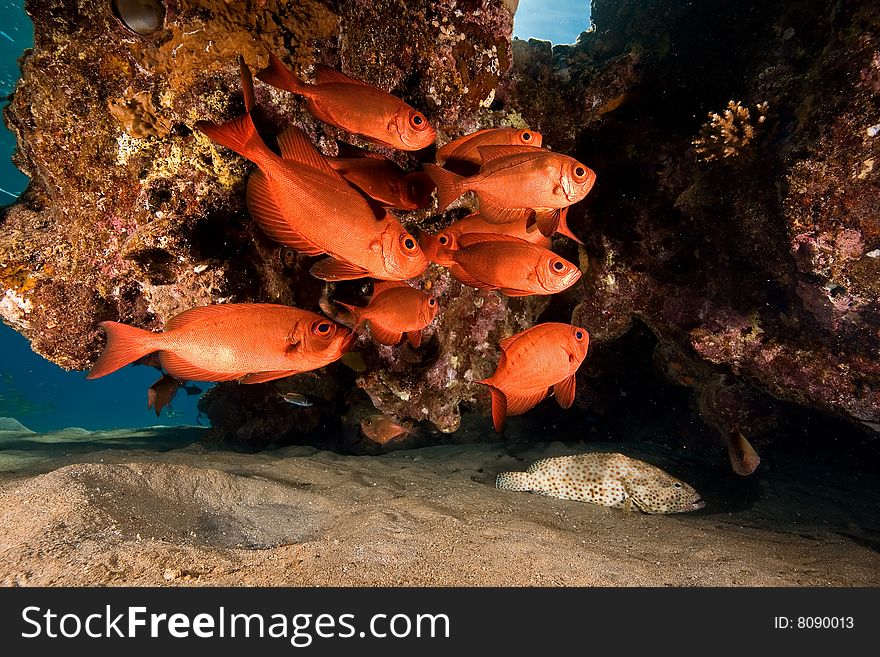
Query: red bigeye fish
<point>385,182</point>
<point>517,183</point>
<point>474,223</point>
<point>382,429</point>
<point>544,356</point>
<point>356,106</point>
<point>464,149</point>
<point>394,310</point>
<point>300,201</point>
<point>499,262</point>
<point>743,458</point>
<point>251,342</point>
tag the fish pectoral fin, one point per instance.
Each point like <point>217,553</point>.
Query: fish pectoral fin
<point>495,214</point>
<point>564,391</point>
<point>414,338</point>
<point>548,220</point>
<point>263,377</point>
<point>515,293</point>
<point>296,147</point>
<point>385,336</point>
<point>331,269</point>
<point>499,406</point>
<point>627,505</point>
<point>262,206</point>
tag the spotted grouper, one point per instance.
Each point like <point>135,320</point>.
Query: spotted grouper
<point>611,480</point>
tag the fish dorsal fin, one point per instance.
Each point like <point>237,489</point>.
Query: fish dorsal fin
<point>198,314</point>
<point>518,403</point>
<point>564,391</point>
<point>506,342</point>
<point>263,208</point>
<point>385,336</point>
<point>247,85</point>
<point>328,75</point>
<point>296,147</point>
<point>331,269</point>
<point>469,239</point>
<point>263,377</point>
<point>383,286</point>
<point>489,153</point>
<point>495,214</point>
<point>184,370</point>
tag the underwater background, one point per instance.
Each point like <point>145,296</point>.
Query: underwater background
<point>730,259</point>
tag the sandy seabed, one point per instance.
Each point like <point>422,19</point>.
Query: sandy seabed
<point>156,507</point>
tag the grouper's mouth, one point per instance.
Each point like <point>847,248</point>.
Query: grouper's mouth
<point>696,506</point>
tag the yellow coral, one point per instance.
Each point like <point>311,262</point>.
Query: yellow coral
<point>725,135</point>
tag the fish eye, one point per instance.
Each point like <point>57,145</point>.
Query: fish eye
<point>579,335</point>
<point>580,172</point>
<point>676,485</point>
<point>322,328</point>
<point>418,121</point>
<point>443,240</point>
<point>526,136</point>
<point>431,301</point>
<point>558,266</point>
<point>409,243</point>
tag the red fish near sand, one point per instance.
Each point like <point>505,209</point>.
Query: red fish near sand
<point>383,429</point>
<point>518,183</point>
<point>464,149</point>
<point>356,106</point>
<point>299,200</point>
<point>251,342</point>
<point>394,310</point>
<point>544,356</point>
<point>385,182</point>
<point>500,262</point>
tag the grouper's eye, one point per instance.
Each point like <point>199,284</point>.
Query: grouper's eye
<point>418,121</point>
<point>409,244</point>
<point>676,485</point>
<point>322,328</point>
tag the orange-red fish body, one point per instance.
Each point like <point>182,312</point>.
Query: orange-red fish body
<point>355,106</point>
<point>500,262</point>
<point>544,356</point>
<point>395,310</point>
<point>465,148</point>
<point>743,458</point>
<point>385,182</point>
<point>246,341</point>
<point>518,183</point>
<point>300,201</point>
<point>474,223</point>
<point>382,429</point>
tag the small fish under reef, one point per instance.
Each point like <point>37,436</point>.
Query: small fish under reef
<point>613,480</point>
<point>383,429</point>
<point>250,342</point>
<point>492,261</point>
<point>518,183</point>
<point>395,310</point>
<point>743,458</point>
<point>532,361</point>
<point>296,399</point>
<point>160,394</point>
<point>299,200</point>
<point>356,106</point>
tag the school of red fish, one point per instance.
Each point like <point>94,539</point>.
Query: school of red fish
<point>340,208</point>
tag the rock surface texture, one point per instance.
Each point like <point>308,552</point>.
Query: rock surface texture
<point>735,214</point>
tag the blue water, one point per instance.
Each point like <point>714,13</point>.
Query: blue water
<point>45,397</point>
<point>557,21</point>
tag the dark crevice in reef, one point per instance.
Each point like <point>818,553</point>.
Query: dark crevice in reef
<point>730,266</point>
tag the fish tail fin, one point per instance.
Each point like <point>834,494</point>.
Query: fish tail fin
<point>355,312</point>
<point>125,344</point>
<point>499,405</point>
<point>514,481</point>
<point>240,135</point>
<point>278,75</point>
<point>449,185</point>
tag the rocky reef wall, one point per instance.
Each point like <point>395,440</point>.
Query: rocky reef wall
<point>734,217</point>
